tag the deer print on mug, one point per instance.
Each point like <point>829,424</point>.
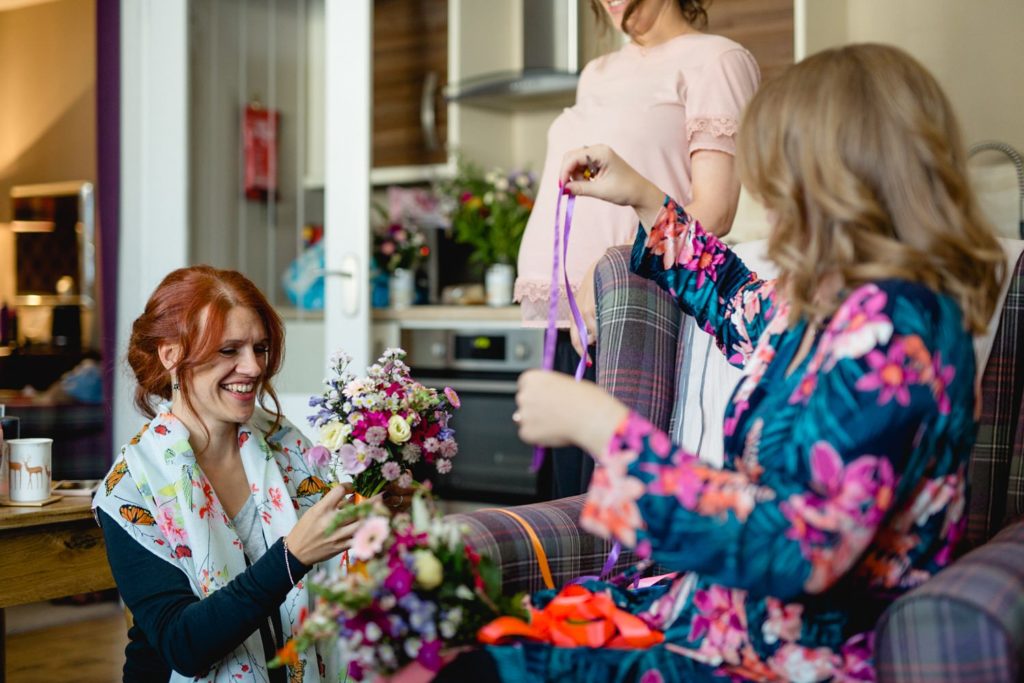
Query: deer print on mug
<point>30,470</point>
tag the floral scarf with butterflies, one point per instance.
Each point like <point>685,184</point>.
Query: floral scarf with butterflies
<point>157,492</point>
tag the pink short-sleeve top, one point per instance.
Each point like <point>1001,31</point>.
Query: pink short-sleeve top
<point>655,107</point>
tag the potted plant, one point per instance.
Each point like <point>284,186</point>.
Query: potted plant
<point>489,211</point>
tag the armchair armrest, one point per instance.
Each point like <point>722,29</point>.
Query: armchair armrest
<point>571,552</point>
<point>964,624</point>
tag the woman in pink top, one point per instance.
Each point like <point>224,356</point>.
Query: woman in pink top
<point>669,102</point>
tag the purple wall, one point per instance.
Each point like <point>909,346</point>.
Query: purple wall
<point>108,189</point>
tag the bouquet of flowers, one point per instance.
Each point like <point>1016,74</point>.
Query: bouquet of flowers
<point>399,246</point>
<point>372,428</point>
<point>488,211</point>
<point>414,588</point>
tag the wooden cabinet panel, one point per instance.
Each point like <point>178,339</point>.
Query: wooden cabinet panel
<point>410,50</point>
<point>765,27</point>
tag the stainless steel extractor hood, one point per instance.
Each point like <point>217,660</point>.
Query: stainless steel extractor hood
<point>551,54</point>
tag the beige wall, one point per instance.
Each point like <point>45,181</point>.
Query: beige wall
<point>47,104</point>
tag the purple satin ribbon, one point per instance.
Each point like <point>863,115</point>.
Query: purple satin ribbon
<point>552,333</point>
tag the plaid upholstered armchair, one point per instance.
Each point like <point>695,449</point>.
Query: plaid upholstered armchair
<point>965,624</point>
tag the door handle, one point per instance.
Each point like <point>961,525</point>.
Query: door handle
<point>428,115</point>
<point>350,285</point>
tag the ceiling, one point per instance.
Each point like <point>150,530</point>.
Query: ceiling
<point>18,4</point>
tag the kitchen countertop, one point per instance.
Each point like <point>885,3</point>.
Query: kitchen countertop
<point>448,314</point>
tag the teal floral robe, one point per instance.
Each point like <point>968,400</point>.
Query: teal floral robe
<point>843,484</point>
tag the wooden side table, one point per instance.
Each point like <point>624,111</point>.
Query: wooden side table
<point>49,552</point>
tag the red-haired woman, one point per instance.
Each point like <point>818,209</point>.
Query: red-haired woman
<point>211,514</point>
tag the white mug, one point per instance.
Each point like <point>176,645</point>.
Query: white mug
<point>30,462</point>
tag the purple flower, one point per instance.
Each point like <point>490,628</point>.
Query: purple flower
<point>318,456</point>
<point>430,655</point>
<point>399,581</point>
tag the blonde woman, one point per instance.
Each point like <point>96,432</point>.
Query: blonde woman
<point>847,442</point>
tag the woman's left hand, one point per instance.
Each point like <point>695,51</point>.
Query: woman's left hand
<point>553,409</point>
<point>397,497</point>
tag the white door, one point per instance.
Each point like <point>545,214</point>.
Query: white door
<point>340,35</point>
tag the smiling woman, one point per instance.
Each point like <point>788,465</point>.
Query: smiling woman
<point>212,514</point>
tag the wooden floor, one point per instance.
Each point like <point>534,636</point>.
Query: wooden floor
<point>84,652</point>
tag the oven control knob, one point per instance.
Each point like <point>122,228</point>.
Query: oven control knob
<point>437,350</point>
<point>521,351</point>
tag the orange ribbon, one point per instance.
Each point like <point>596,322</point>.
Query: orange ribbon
<point>538,547</point>
<point>576,617</point>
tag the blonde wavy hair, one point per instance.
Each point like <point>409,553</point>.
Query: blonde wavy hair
<point>857,155</point>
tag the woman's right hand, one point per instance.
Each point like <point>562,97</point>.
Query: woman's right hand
<point>597,171</point>
<point>309,541</point>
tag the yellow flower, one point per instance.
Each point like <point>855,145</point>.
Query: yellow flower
<point>398,429</point>
<point>332,435</point>
<point>429,571</point>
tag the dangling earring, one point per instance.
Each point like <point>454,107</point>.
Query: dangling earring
<point>175,386</point>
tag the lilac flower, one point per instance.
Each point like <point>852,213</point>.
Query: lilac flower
<point>391,470</point>
<point>353,460</point>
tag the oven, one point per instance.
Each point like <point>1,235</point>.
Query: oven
<point>482,365</point>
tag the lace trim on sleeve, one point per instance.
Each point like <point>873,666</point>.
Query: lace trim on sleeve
<point>716,127</point>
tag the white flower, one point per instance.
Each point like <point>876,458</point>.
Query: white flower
<point>523,180</point>
<point>501,184</point>
<point>398,429</point>
<point>444,466</point>
<point>462,592</point>
<point>332,435</point>
<point>373,632</point>
<point>447,630</point>
<point>410,453</point>
<point>488,198</point>
<point>412,647</point>
<point>429,572</point>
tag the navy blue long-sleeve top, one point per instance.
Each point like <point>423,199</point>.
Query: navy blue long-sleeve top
<point>176,630</point>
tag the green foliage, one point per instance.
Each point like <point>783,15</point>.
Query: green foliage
<point>488,211</point>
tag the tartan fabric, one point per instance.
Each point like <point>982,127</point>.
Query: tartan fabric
<point>965,624</point>
<point>571,551</point>
<point>997,462</point>
<point>636,349</point>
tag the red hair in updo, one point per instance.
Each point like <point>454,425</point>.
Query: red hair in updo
<point>190,308</point>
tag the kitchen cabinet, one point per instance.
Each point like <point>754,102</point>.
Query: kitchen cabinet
<point>765,27</point>
<point>410,70</point>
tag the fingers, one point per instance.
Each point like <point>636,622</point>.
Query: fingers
<point>577,345</point>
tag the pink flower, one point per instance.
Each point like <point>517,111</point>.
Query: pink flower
<point>707,256</point>
<point>443,465</point>
<point>720,624</point>
<point>652,676</point>
<point>369,538</point>
<point>860,324</point>
<point>942,377</point>
<point>375,435</point>
<point>610,510</point>
<point>410,453</point>
<point>783,621</point>
<point>318,456</point>
<point>275,497</point>
<point>452,397</point>
<point>889,375</point>
<point>169,527</point>
<point>353,460</point>
<point>670,238</point>
<point>431,444</point>
<point>682,481</point>
<point>391,470</point>
<point>377,453</point>
<point>449,448</point>
<point>802,664</point>
<point>405,480</point>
